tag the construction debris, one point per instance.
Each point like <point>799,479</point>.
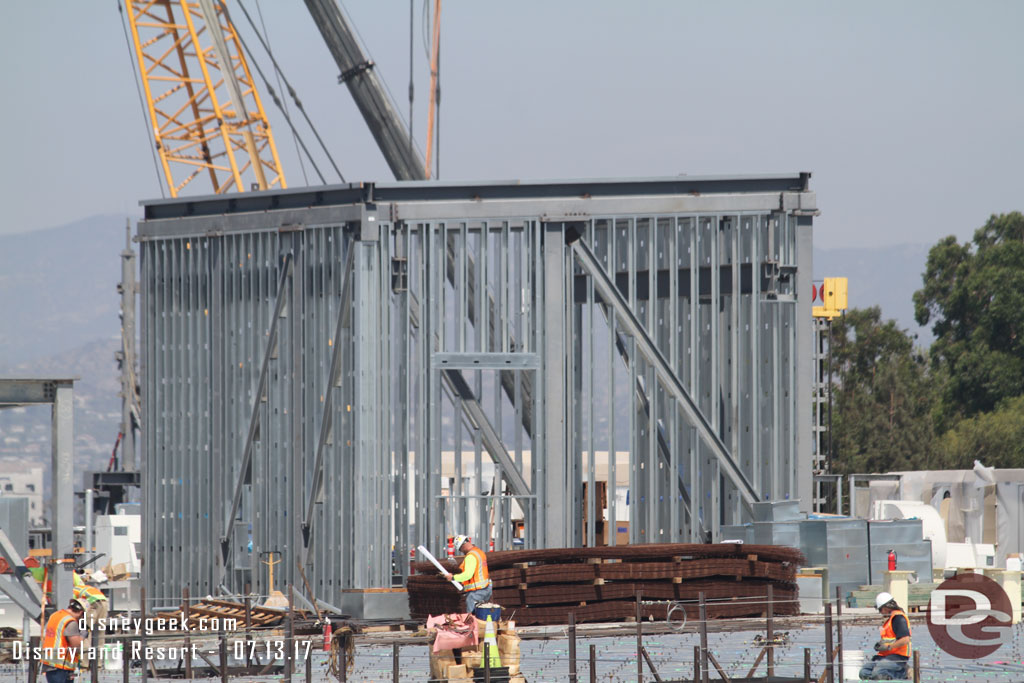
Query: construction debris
<point>601,584</point>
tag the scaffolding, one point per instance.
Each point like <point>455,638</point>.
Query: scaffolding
<point>343,373</point>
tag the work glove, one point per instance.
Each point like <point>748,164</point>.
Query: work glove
<point>880,646</point>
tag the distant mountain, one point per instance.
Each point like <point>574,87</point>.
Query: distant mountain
<point>884,276</point>
<point>59,310</point>
<point>58,288</point>
<point>25,432</point>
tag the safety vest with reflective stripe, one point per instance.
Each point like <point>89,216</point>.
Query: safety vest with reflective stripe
<point>888,633</point>
<point>90,594</point>
<point>57,652</point>
<point>481,578</point>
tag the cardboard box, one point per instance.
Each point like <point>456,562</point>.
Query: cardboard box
<point>621,533</point>
<point>473,658</point>
<point>440,662</point>
<point>459,672</point>
<point>508,649</point>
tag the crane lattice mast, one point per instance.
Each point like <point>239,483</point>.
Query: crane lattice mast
<point>203,105</point>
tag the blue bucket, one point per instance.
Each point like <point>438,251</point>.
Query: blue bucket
<point>494,612</point>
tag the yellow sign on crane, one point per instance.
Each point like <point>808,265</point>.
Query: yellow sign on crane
<point>202,102</point>
<point>833,295</point>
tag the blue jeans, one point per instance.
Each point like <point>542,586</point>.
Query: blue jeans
<point>59,676</point>
<point>884,670</point>
<point>477,597</point>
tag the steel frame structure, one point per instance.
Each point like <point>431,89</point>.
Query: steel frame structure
<point>343,373</point>
<point>59,394</point>
<point>204,109</point>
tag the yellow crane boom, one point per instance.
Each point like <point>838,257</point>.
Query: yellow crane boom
<point>203,105</point>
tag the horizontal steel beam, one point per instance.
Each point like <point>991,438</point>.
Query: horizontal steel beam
<point>485,361</point>
<point>524,193</point>
<point>27,391</point>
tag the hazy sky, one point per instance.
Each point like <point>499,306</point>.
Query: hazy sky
<point>908,114</point>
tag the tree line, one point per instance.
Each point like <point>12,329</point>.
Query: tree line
<point>897,406</point>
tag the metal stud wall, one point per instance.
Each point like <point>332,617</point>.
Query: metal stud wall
<point>339,374</point>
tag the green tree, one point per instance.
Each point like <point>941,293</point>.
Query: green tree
<point>883,397</point>
<point>973,296</point>
<point>995,438</point>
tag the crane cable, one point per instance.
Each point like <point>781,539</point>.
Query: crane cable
<point>295,137</point>
<point>136,75</point>
<point>424,23</point>
<point>291,92</point>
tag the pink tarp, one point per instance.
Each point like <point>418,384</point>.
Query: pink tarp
<point>453,631</point>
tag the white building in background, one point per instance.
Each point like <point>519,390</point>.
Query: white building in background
<point>28,483</point>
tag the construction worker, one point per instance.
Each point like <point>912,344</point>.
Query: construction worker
<point>93,598</point>
<point>61,640</point>
<point>95,602</point>
<point>894,646</point>
<point>473,575</point>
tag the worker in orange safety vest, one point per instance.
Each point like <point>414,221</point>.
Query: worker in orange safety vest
<point>61,640</point>
<point>894,646</point>
<point>473,574</point>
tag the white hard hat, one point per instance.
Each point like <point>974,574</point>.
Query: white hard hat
<point>881,599</point>
<point>459,540</point>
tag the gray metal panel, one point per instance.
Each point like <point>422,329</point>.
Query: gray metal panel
<point>738,532</point>
<point>62,490</point>
<point>910,556</point>
<point>461,275</point>
<point>802,466</point>
<point>777,511</point>
<point>556,515</point>
<point>896,531</point>
<point>814,542</point>
<point>777,533</point>
<point>14,522</point>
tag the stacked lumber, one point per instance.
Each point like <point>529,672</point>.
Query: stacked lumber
<point>600,584</point>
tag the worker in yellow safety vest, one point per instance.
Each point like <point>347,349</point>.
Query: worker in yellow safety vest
<point>473,575</point>
<point>91,597</point>
<point>894,646</point>
<point>61,640</point>
<point>95,602</point>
